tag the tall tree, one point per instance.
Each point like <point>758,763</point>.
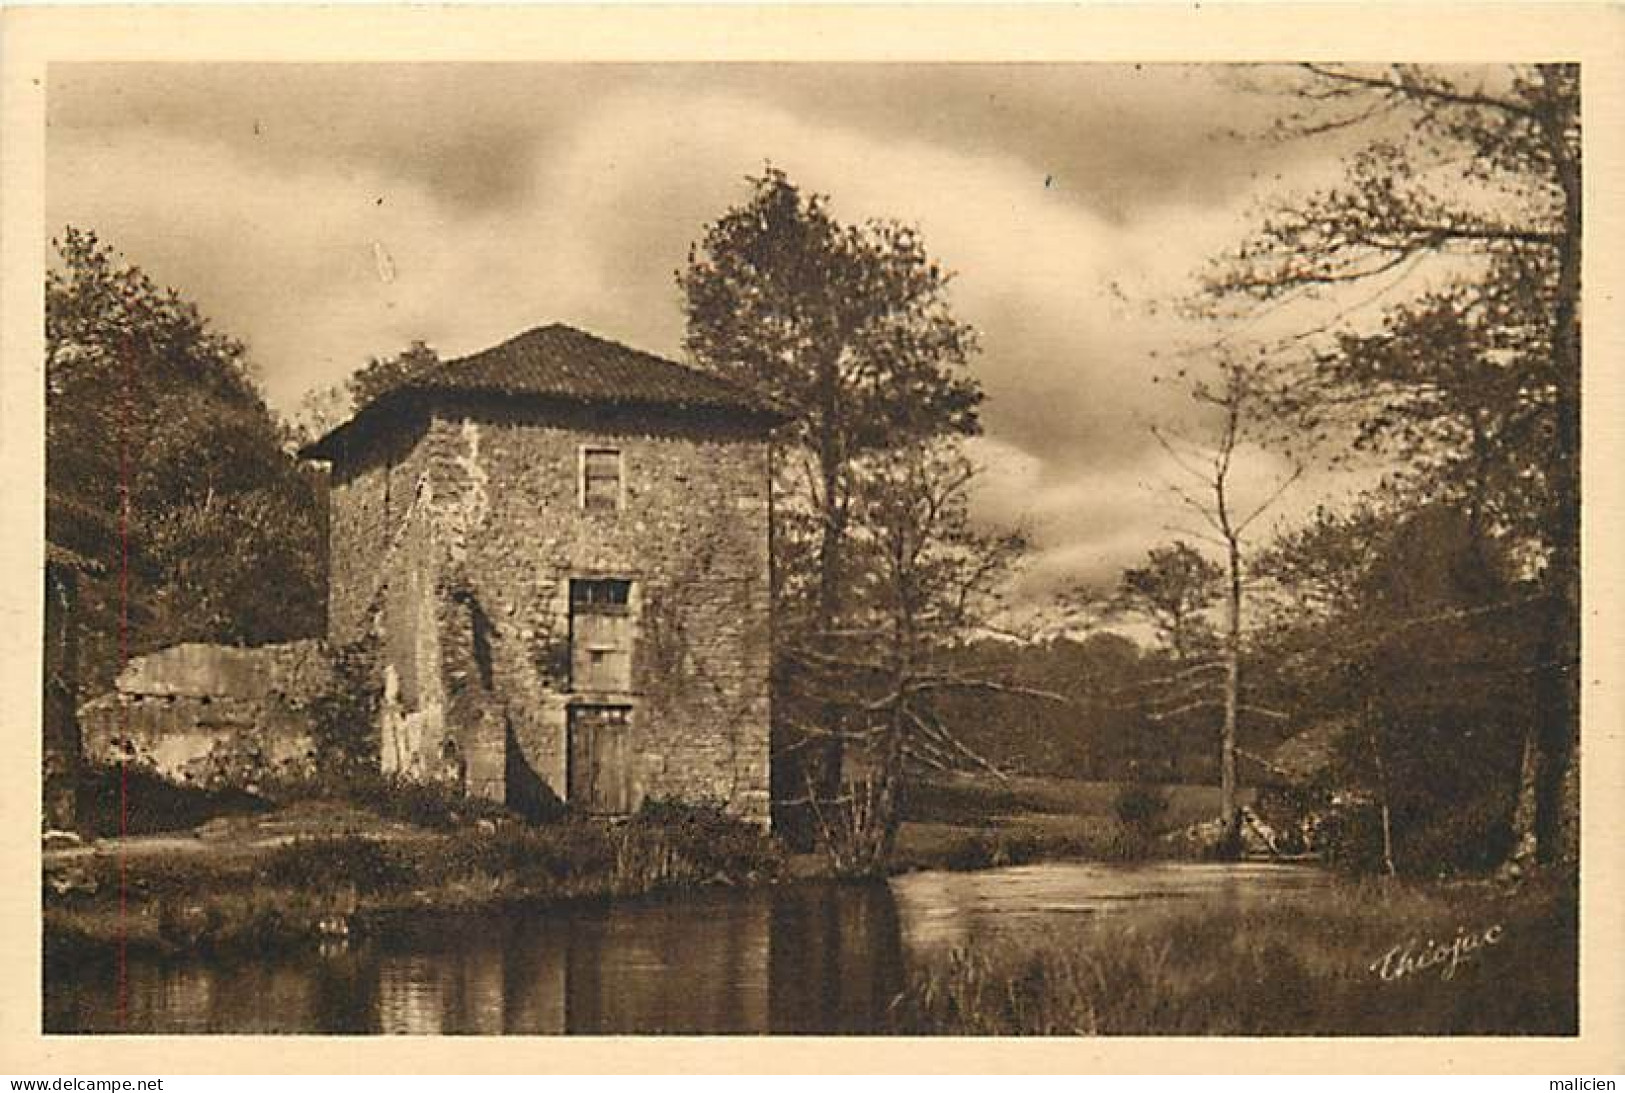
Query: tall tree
<point>1238,399</point>
<point>1409,632</point>
<point>1478,175</point>
<point>1174,592</point>
<point>849,329</point>
<point>166,469</point>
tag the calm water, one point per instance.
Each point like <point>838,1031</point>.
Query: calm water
<point>811,958</point>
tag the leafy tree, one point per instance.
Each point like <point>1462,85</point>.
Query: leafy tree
<point>849,329</point>
<point>381,374</point>
<point>1320,566</point>
<point>1425,662</point>
<point>1174,591</point>
<point>205,529</point>
<point>1475,382</point>
<point>324,409</point>
<point>928,576</point>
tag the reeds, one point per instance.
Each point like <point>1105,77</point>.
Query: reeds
<point>1297,965</point>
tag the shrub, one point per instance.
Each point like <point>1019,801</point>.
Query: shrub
<point>686,842</point>
<point>1140,809</point>
<point>1350,838</point>
<point>137,801</point>
<point>438,806</point>
<point>344,716</point>
<point>1474,836</point>
<point>329,864</point>
<point>537,860</point>
<point>252,921</point>
<point>666,844</point>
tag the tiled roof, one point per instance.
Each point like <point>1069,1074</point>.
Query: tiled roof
<point>563,364</point>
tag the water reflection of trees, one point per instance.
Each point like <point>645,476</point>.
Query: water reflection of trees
<point>801,959</point>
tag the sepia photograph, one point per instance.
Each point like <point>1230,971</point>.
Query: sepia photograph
<point>822,548</point>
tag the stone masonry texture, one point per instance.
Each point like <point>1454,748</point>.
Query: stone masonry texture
<point>212,714</point>
<point>455,535</point>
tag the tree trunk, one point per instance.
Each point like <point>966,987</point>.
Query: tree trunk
<point>1232,708</point>
<point>1546,816</point>
<point>63,746</point>
<point>1558,693</point>
<point>1384,811</point>
<point>1550,776</point>
<point>1524,841</point>
<point>831,749</point>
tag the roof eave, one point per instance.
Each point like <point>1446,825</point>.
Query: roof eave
<point>336,442</point>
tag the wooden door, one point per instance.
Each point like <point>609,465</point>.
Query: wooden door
<point>601,653</point>
<point>599,775</point>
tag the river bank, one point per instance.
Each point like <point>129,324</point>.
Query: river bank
<point>334,872</point>
<point>1072,948</point>
<point>296,876</point>
<point>313,868</point>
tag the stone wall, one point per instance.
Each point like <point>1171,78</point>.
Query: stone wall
<point>211,714</point>
<point>372,502</point>
<point>474,616</point>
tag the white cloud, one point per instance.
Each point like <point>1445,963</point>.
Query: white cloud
<point>288,259</point>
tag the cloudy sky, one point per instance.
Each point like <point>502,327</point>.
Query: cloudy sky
<point>327,213</point>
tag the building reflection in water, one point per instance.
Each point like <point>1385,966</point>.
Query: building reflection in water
<point>801,959</point>
<point>836,959</point>
<point>411,996</point>
<point>806,958</point>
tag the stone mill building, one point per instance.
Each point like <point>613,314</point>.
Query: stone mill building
<point>557,549</point>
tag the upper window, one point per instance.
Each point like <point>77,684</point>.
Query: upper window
<point>601,479</point>
<point>600,592</point>
<point>600,634</point>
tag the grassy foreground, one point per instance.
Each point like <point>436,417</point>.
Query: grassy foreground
<point>1353,961</point>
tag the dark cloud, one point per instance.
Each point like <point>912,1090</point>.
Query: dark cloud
<point>1121,139</point>
<point>467,133</point>
<point>505,196</point>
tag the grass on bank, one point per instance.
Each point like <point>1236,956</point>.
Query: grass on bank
<point>1286,968</point>
<point>303,889</point>
<point>973,821</point>
<point>979,799</point>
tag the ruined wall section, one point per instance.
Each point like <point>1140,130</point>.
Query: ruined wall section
<point>213,715</point>
<point>693,537</point>
<point>405,621</point>
<point>386,581</point>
